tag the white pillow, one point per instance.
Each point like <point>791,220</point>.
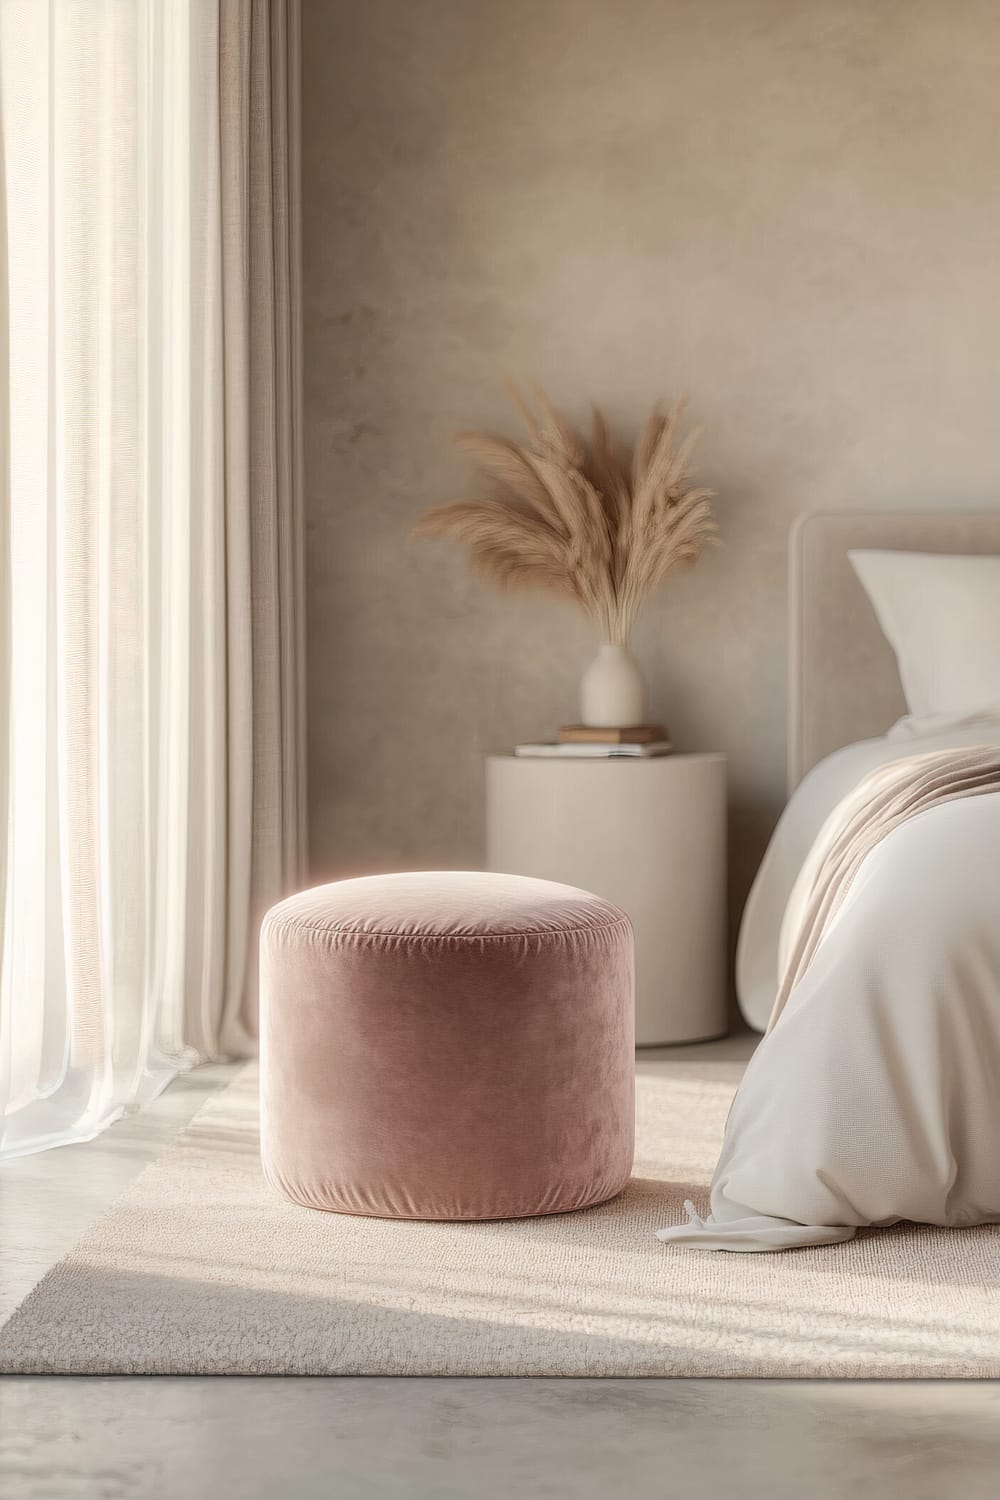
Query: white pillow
<point>941,615</point>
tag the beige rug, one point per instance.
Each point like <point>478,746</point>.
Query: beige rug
<point>199,1269</point>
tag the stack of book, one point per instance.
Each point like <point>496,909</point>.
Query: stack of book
<point>584,742</point>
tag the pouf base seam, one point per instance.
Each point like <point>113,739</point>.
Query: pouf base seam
<point>509,1216</point>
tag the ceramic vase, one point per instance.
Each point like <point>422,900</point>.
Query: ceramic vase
<point>611,693</point>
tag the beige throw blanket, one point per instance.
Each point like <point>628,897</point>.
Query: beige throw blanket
<point>875,1095</point>
<point>881,803</point>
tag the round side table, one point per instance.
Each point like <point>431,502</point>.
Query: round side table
<point>649,835</point>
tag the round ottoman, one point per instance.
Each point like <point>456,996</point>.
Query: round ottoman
<point>446,1045</point>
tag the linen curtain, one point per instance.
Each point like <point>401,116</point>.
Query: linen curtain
<point>151,636</point>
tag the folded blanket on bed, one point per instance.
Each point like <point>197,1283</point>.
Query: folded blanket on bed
<point>875,1095</point>
<point>883,800</point>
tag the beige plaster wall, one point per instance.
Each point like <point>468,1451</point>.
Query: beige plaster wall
<point>790,208</point>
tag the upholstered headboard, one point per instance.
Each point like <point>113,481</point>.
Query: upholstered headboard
<point>843,684</point>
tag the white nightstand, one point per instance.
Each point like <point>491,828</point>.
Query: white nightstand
<point>649,835</point>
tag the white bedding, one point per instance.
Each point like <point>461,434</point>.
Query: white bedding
<point>877,1095</point>
<point>757,953</point>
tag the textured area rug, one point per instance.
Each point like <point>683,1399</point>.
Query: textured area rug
<point>200,1269</point>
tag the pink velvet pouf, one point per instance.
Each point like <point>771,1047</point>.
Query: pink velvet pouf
<point>447,1045</point>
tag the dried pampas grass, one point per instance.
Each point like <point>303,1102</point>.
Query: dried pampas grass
<point>572,515</point>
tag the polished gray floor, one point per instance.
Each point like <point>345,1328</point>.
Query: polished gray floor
<point>153,1439</point>
<point>156,1439</point>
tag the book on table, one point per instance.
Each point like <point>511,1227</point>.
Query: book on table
<point>589,734</point>
<point>584,750</point>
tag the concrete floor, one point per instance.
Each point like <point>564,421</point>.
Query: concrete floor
<point>150,1439</point>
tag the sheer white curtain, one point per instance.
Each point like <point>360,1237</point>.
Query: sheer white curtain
<point>150,542</point>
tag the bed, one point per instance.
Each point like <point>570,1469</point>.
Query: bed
<point>870,946</point>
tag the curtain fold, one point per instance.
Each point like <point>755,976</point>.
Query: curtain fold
<point>5,728</point>
<point>259,54</point>
<point>151,698</point>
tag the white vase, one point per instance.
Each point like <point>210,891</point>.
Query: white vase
<point>611,693</point>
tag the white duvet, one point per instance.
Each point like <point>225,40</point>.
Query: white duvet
<point>876,1096</point>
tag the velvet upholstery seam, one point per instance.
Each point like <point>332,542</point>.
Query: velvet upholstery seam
<point>290,925</point>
